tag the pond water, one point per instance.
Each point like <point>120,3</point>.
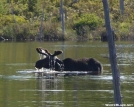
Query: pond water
<point>19,87</point>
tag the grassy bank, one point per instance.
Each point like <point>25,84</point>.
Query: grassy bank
<point>33,19</point>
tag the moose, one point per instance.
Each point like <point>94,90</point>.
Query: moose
<point>51,61</point>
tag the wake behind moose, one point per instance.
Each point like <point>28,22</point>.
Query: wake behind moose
<point>51,61</point>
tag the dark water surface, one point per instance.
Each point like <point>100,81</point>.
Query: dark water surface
<point>19,87</point>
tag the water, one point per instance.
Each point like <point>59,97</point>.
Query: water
<point>19,87</point>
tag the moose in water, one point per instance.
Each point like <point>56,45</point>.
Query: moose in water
<point>51,61</point>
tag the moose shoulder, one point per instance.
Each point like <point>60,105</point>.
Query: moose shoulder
<point>91,65</point>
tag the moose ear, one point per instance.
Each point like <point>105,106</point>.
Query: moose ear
<point>41,51</point>
<point>57,53</point>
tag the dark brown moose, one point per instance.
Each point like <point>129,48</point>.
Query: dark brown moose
<point>51,61</point>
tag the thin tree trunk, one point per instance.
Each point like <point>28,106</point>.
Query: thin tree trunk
<point>112,54</point>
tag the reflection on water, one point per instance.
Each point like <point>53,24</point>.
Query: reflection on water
<point>21,88</point>
<point>123,78</point>
<point>16,77</point>
<point>123,58</point>
<point>26,71</point>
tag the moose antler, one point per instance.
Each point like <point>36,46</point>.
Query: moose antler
<point>41,51</point>
<point>48,52</point>
<point>57,52</point>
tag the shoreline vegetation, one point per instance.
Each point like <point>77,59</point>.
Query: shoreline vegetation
<point>84,20</point>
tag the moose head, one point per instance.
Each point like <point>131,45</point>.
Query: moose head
<point>50,61</point>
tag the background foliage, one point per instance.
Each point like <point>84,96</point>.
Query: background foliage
<point>84,19</point>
